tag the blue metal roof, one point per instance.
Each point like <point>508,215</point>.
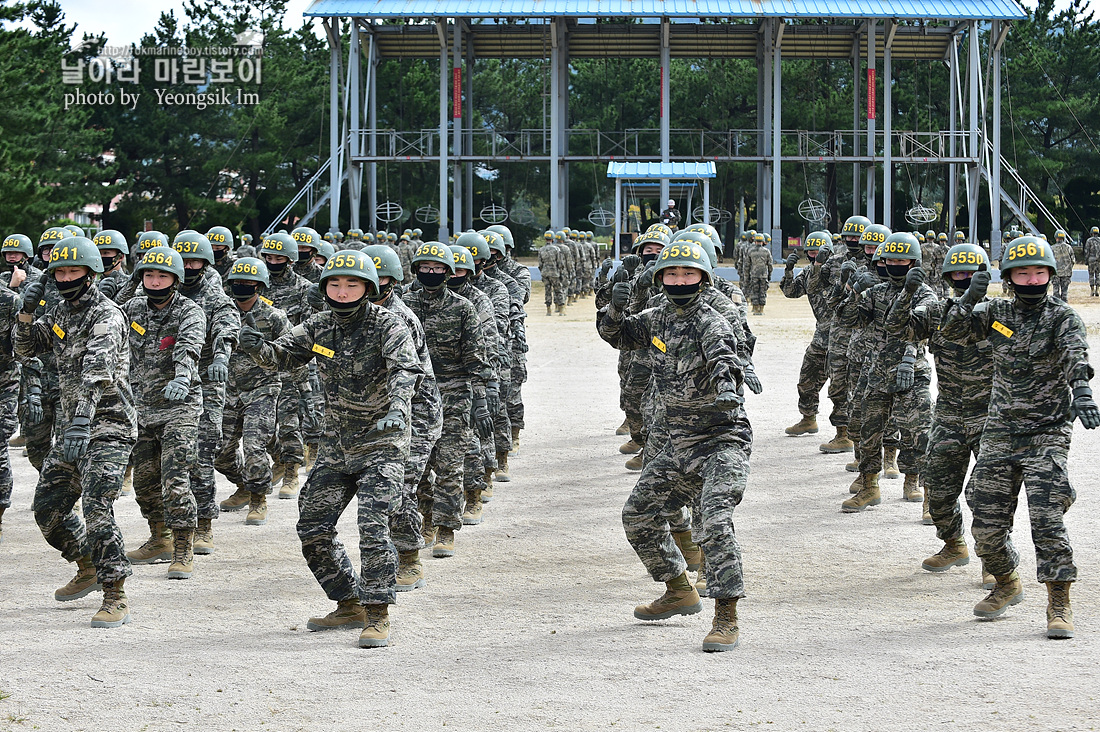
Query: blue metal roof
<point>838,9</point>
<point>659,171</point>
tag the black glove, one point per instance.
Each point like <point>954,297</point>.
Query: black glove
<point>645,279</point>
<point>177,389</point>
<point>492,397</point>
<point>631,263</point>
<point>1084,407</point>
<point>752,380</point>
<point>847,270</point>
<point>219,370</point>
<point>250,339</point>
<point>605,268</point>
<point>728,399</point>
<point>33,295</point>
<point>863,281</point>
<point>483,421</point>
<point>77,437</point>
<point>620,295</point>
<point>792,260</point>
<point>914,279</point>
<point>314,297</point>
<point>979,285</point>
<point>34,406</point>
<point>392,422</point>
<point>906,369</point>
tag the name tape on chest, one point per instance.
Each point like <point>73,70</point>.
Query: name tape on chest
<point>1002,329</point>
<point>58,332</point>
<point>137,326</point>
<point>265,301</point>
<point>660,344</point>
<point>326,352</point>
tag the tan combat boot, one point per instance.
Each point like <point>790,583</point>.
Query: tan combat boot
<point>18,440</point>
<point>926,516</point>
<point>290,481</point>
<point>445,544</point>
<point>857,485</point>
<point>515,442</point>
<point>560,309</point>
<point>376,632</point>
<point>183,554</point>
<point>724,633</point>
<point>953,554</point>
<point>278,472</point>
<point>839,443</point>
<point>83,583</point>
<point>680,598</point>
<point>204,537</point>
<point>157,548</point>
<point>701,576</point>
<point>852,467</point>
<point>548,309</point>
<point>623,429</point>
<point>1059,612</point>
<point>257,510</point>
<point>988,580</point>
<point>890,463</point>
<point>636,462</point>
<point>911,490</point>
<point>348,614</point>
<point>310,456</point>
<point>630,447</point>
<point>805,426</point>
<point>472,516</point>
<point>868,495</point>
<point>501,475</point>
<point>410,572</point>
<point>691,551</point>
<point>1009,590</point>
<point>115,610</point>
<point>237,501</point>
<point>428,534</point>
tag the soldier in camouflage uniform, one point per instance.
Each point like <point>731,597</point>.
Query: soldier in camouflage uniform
<point>369,368</point>
<point>704,456</point>
<point>1091,254</point>
<point>87,334</point>
<point>251,395</point>
<point>166,334</point>
<point>246,249</point>
<point>221,240</point>
<point>814,372</point>
<point>549,269</point>
<point>223,323</point>
<point>288,292</point>
<point>964,371</point>
<point>1063,255</point>
<point>406,248</point>
<point>309,241</point>
<point>462,372</point>
<point>113,250</point>
<point>759,262</point>
<point>569,266</point>
<point>1040,383</point>
<point>9,394</point>
<point>897,374</point>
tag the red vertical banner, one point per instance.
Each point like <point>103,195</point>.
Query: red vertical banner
<point>871,100</point>
<point>457,114</point>
<point>661,100</point>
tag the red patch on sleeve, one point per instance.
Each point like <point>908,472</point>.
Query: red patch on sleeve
<point>166,343</point>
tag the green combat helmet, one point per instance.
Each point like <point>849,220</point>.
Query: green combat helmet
<point>702,240</point>
<point>164,259</point>
<point>464,259</point>
<point>355,235</point>
<point>818,242</point>
<point>505,232</point>
<point>386,261</point>
<point>325,251</point>
<point>281,245</point>
<point>873,235</point>
<point>149,239</point>
<point>661,228</point>
<point>111,239</point>
<point>77,251</point>
<point>193,245</point>
<point>710,232</point>
<point>963,258</point>
<point>475,243</point>
<point>1026,251</point>
<point>246,239</point>
<point>75,230</point>
<point>53,235</point>
<point>900,245</point>
<point>306,237</point>
<point>18,243</point>
<point>853,230</point>
<point>682,254</point>
<point>252,269</point>
<point>495,242</point>
<point>351,263</point>
<point>959,237</point>
<point>434,251</point>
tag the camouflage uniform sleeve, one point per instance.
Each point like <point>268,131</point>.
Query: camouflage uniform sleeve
<point>127,292</point>
<point>1074,348</point>
<point>625,333</point>
<point>225,327</point>
<point>189,341</point>
<point>290,351</point>
<point>720,351</point>
<point>856,310</point>
<point>9,307</point>
<point>33,338</point>
<point>403,367</point>
<point>475,356</point>
<point>101,363</point>
<point>795,285</point>
<point>968,323</point>
<point>914,321</point>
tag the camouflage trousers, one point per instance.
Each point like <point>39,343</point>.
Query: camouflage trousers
<point>1039,463</point>
<point>757,291</point>
<point>515,389</point>
<point>42,435</point>
<point>1094,274</point>
<point>441,500</point>
<point>406,522</point>
<point>311,425</point>
<point>502,425</point>
<point>327,492</point>
<point>209,438</point>
<point>96,481</point>
<point>163,457</point>
<point>9,403</point>
<point>712,474</point>
<point>633,395</point>
<point>814,373</point>
<point>837,363</point>
<point>288,447</point>
<point>251,427</point>
<point>951,442</point>
<point>554,293</point>
<point>857,378</point>
<point>1061,287</point>
<point>912,413</point>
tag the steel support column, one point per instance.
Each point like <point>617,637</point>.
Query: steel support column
<point>871,103</point>
<point>665,122</point>
<point>372,116</point>
<point>856,72</point>
<point>332,27</point>
<point>887,132</point>
<point>776,228</point>
<point>618,218</point>
<point>444,111</point>
<point>558,207</point>
<point>456,126</point>
<point>995,164</point>
<point>974,178</point>
<point>355,169</point>
<point>952,128</point>
<point>764,193</point>
<point>468,135</point>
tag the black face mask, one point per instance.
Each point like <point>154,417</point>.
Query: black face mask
<point>456,283</point>
<point>1030,295</point>
<point>897,272</point>
<point>432,281</point>
<point>647,258</point>
<point>192,277</point>
<point>158,297</point>
<point>961,286</point>
<point>73,289</point>
<point>881,269</point>
<point>276,269</point>
<point>242,290</point>
<point>344,309</point>
<point>682,295</point>
<point>219,254</point>
<point>383,293</point>
<point>109,262</point>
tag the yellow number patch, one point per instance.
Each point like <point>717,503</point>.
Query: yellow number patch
<point>326,352</point>
<point>660,344</point>
<point>137,326</point>
<point>1002,329</point>
<point>265,301</point>
<point>58,332</point>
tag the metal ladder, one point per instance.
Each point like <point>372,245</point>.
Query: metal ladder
<point>1025,191</point>
<point>310,192</point>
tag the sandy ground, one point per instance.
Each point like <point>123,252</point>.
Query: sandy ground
<point>530,625</point>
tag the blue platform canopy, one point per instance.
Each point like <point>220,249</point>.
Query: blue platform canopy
<point>838,9</point>
<point>661,171</point>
